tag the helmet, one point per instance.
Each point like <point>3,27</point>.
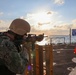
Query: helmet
<point>20,26</point>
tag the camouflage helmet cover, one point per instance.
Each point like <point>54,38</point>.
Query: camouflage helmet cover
<point>20,26</point>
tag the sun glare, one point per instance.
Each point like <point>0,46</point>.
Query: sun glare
<point>42,20</point>
<point>42,17</point>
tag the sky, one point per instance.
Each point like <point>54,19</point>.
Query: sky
<point>51,17</point>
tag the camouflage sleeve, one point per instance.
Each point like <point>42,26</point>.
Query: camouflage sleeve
<point>16,62</point>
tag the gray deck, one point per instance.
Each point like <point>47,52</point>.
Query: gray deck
<point>63,60</point>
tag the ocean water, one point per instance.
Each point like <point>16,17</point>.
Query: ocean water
<point>58,39</point>
<point>62,39</point>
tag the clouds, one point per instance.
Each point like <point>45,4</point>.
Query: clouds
<point>74,21</point>
<point>49,23</point>
<point>1,13</point>
<point>48,16</point>
<point>59,2</point>
<point>74,24</point>
<point>4,25</point>
<point>42,20</point>
<point>1,21</point>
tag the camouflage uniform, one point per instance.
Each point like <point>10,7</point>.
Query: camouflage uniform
<point>10,57</point>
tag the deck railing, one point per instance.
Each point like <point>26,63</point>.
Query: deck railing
<point>41,61</point>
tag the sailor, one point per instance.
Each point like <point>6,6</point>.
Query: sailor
<point>13,59</point>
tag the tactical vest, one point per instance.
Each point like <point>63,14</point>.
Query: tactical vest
<point>3,69</point>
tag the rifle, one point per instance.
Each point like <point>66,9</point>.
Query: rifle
<point>33,38</point>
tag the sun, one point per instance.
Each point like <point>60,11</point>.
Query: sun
<point>42,20</point>
<point>42,17</point>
